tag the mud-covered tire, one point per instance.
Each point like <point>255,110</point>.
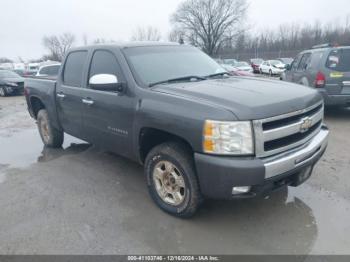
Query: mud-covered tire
<point>182,160</point>
<point>3,92</point>
<point>50,136</point>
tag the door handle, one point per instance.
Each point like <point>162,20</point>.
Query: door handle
<point>61,95</point>
<point>87,101</point>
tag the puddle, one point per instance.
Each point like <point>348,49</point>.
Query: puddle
<point>25,148</point>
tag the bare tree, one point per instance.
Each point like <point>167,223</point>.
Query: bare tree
<point>149,33</point>
<point>58,45</point>
<point>209,24</point>
<point>176,35</point>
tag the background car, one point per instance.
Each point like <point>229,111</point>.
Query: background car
<point>255,63</point>
<point>243,66</point>
<point>236,71</point>
<point>286,60</point>
<point>326,68</point>
<point>272,67</point>
<point>229,61</point>
<point>10,83</point>
<point>48,70</point>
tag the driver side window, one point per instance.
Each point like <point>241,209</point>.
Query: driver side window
<point>104,62</point>
<point>295,63</point>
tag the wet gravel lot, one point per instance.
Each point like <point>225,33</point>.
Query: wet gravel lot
<point>82,200</point>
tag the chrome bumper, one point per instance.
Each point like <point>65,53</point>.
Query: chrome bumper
<point>293,159</point>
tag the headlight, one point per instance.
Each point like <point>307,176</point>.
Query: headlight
<point>228,138</point>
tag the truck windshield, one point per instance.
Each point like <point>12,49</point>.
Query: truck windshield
<point>154,64</point>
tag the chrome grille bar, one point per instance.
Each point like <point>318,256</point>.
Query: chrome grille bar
<point>291,128</point>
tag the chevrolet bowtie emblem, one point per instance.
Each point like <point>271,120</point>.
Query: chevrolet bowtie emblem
<point>306,124</point>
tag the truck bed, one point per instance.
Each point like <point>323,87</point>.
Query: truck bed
<point>45,90</point>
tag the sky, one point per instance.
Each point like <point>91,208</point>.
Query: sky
<point>25,22</point>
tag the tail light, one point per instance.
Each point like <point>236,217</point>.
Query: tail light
<point>320,80</point>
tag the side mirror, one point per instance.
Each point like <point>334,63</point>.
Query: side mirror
<point>106,82</point>
<point>288,67</point>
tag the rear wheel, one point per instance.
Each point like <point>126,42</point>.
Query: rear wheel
<point>171,179</point>
<point>3,92</point>
<point>50,136</point>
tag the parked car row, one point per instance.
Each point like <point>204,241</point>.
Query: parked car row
<point>12,81</point>
<point>258,65</point>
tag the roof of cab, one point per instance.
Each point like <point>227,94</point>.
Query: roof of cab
<point>122,45</point>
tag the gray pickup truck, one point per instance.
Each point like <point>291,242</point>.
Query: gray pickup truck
<point>199,132</point>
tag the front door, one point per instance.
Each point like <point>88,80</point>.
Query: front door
<point>108,116</point>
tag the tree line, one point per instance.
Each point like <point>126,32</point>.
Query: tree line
<point>219,28</point>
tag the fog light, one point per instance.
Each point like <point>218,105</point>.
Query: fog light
<point>240,190</point>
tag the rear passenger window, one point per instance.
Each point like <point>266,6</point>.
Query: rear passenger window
<point>339,60</point>
<point>73,69</point>
<point>304,62</point>
<point>104,62</point>
<point>44,71</point>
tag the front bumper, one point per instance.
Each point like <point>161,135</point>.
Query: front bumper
<point>14,89</point>
<point>218,175</point>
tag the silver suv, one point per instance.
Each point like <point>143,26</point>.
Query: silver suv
<point>325,68</point>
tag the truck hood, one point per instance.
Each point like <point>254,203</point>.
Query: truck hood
<point>247,98</point>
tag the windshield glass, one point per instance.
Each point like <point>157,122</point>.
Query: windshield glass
<point>286,60</point>
<point>230,61</point>
<point>257,61</point>
<point>339,60</point>
<point>275,62</point>
<point>8,74</point>
<point>153,64</point>
<point>238,64</point>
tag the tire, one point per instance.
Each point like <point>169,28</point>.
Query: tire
<point>50,136</point>
<point>177,158</point>
<point>3,92</point>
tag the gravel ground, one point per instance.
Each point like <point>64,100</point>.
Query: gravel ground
<point>82,200</point>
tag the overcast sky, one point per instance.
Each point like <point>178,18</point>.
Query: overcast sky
<point>24,22</point>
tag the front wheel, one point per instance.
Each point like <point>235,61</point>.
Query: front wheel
<point>171,179</point>
<point>3,92</point>
<point>50,136</point>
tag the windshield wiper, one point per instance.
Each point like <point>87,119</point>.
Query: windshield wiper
<point>217,74</point>
<point>184,78</point>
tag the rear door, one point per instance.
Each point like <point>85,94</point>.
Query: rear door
<point>68,93</point>
<point>338,72</point>
<point>108,115</point>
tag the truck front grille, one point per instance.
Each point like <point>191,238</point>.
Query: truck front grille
<point>280,133</point>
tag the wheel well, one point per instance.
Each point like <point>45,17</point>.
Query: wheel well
<point>36,105</point>
<point>151,137</point>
